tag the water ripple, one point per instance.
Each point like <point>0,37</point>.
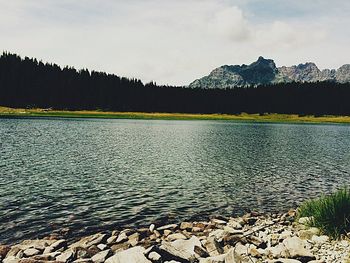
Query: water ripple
<point>91,175</point>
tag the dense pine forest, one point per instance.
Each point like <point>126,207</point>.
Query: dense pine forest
<point>29,83</point>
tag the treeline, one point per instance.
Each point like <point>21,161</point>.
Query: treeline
<point>27,83</point>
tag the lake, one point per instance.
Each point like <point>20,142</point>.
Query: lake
<point>92,174</point>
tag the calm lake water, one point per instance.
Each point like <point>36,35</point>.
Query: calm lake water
<point>90,175</point>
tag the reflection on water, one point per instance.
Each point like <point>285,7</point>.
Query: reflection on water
<point>95,174</point>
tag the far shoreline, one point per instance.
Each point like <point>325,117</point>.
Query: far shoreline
<point>6,112</point>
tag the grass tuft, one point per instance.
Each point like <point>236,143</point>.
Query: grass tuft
<point>331,214</point>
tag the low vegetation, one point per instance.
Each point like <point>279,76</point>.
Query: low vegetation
<point>331,214</point>
<point>294,118</point>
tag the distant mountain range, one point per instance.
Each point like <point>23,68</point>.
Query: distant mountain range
<point>264,71</point>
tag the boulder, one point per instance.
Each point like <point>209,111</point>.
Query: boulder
<point>296,249</point>
<point>88,241</point>
<point>181,249</point>
<point>131,255</point>
<point>54,246</point>
<point>101,256</point>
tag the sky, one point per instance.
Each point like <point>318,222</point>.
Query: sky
<point>175,42</point>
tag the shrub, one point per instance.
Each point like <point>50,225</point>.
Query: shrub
<point>331,214</point>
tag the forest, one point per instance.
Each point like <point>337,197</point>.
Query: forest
<point>28,83</point>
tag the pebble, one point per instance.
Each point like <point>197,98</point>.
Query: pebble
<point>250,238</point>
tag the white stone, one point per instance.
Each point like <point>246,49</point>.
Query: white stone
<point>31,252</point>
<point>171,226</point>
<point>102,246</point>
<point>296,248</point>
<point>154,256</point>
<point>131,255</point>
<point>183,249</point>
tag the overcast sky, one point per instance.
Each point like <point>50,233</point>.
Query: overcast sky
<point>175,42</point>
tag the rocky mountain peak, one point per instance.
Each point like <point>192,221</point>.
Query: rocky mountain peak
<point>264,71</point>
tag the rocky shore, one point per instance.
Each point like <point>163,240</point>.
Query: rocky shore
<point>247,239</point>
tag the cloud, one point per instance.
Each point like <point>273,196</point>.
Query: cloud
<point>173,42</point>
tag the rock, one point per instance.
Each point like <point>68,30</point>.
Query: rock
<point>233,231</point>
<point>186,226</point>
<point>133,239</point>
<point>201,252</point>
<point>54,246</point>
<point>131,255</point>
<point>83,260</point>
<point>120,247</point>
<point>121,238</point>
<point>308,233</point>
<point>218,221</point>
<point>216,259</point>
<point>111,240</point>
<point>256,241</point>
<point>167,232</point>
<point>31,252</point>
<point>37,244</point>
<point>253,251</point>
<point>13,251</point>
<point>213,247</point>
<point>276,251</point>
<point>320,239</point>
<point>47,257</point>
<point>93,250</point>
<point>11,259</point>
<point>296,249</point>
<point>151,228</point>
<point>67,256</point>
<point>197,229</point>
<point>3,251</point>
<point>285,260</point>
<point>89,241</point>
<point>101,246</point>
<point>219,234</point>
<point>176,236</point>
<point>171,226</point>
<point>183,249</point>
<point>305,220</point>
<point>240,253</point>
<point>154,256</point>
<point>101,256</point>
<point>234,224</point>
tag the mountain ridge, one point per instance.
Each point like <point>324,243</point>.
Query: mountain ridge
<point>264,71</point>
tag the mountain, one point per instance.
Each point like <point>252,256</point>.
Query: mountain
<point>264,71</point>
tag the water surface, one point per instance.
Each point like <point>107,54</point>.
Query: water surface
<point>91,174</point>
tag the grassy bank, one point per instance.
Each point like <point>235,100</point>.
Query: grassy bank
<point>8,112</point>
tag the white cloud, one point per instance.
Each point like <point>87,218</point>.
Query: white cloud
<point>171,42</point>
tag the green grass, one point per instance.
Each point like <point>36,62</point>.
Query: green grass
<point>270,117</point>
<point>331,214</point>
